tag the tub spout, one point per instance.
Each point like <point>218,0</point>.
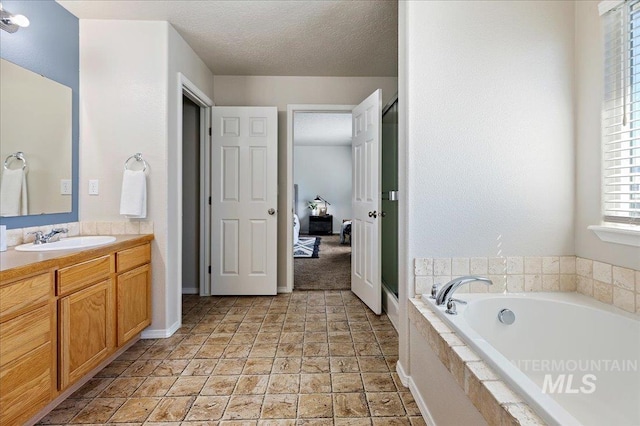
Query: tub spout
<point>446,292</point>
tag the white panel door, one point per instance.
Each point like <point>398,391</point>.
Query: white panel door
<point>244,173</point>
<point>365,228</point>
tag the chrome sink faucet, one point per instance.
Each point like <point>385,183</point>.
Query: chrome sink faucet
<point>42,238</point>
<point>445,294</point>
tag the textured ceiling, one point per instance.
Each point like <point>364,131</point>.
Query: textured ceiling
<point>322,128</point>
<point>272,37</point>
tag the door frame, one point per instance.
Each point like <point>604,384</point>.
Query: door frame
<point>288,219</point>
<point>191,91</point>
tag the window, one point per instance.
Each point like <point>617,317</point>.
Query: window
<point>621,113</point>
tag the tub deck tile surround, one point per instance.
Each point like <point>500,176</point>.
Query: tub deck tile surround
<point>497,403</point>
<point>607,283</point>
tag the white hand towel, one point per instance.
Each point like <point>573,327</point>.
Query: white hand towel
<point>133,202</point>
<point>24,197</point>
<point>13,192</point>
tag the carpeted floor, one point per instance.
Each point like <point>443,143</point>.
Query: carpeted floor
<point>331,271</point>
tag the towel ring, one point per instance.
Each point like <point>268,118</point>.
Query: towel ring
<point>18,156</point>
<point>138,157</point>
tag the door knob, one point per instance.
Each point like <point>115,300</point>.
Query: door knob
<point>373,214</point>
<point>271,211</point>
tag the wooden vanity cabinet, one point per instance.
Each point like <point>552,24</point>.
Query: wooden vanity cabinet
<point>27,347</point>
<point>63,317</point>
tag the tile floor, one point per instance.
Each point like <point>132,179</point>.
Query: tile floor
<point>306,358</point>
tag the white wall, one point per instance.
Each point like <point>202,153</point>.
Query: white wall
<point>281,91</point>
<point>490,128</point>
<point>181,59</point>
<point>486,115</point>
<point>128,104</point>
<point>589,95</point>
<point>325,171</point>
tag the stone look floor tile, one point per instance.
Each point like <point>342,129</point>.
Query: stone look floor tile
<point>315,405</point>
<point>258,366</point>
<point>305,358</point>
<point>365,421</point>
<point>315,383</point>
<point>346,382</point>
<point>171,409</point>
<point>378,382</point>
<point>350,405</point>
<point>122,387</point>
<point>65,411</point>
<point>244,407</point>
<point>98,411</point>
<point>284,383</point>
<point>187,386</point>
<point>279,407</point>
<point>385,404</point>
<point>252,385</point>
<point>135,410</point>
<point>155,386</point>
<point>206,408</point>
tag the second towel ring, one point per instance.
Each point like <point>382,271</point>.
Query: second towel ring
<point>138,157</point>
<point>18,156</point>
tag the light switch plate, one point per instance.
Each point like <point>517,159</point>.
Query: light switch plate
<point>65,186</point>
<point>93,187</point>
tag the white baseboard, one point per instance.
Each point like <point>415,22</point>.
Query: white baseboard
<point>403,376</point>
<point>163,333</point>
<point>424,410</point>
<point>283,289</point>
<point>189,290</point>
<point>390,306</point>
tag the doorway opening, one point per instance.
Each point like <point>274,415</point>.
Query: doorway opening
<point>298,198</point>
<point>191,232</point>
<point>192,176</point>
<point>322,176</point>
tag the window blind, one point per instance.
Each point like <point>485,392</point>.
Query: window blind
<point>621,114</point>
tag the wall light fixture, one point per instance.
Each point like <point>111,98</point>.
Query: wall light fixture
<point>10,22</point>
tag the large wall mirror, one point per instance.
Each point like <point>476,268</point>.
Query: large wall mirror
<point>35,143</point>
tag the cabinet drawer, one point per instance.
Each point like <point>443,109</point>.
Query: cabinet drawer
<point>25,333</point>
<point>26,386</point>
<point>22,294</point>
<point>77,276</point>
<point>130,258</point>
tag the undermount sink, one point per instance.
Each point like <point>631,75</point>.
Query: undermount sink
<point>69,243</point>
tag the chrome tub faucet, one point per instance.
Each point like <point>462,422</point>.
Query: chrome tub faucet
<point>445,294</point>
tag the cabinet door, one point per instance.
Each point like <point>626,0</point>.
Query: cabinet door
<point>27,364</point>
<point>134,302</point>
<point>87,330</point>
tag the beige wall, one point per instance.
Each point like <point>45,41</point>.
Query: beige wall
<point>282,91</point>
<point>129,104</point>
<point>589,95</point>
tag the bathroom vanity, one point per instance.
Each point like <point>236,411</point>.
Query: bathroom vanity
<point>65,313</point>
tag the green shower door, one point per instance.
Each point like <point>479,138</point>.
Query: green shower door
<point>390,207</point>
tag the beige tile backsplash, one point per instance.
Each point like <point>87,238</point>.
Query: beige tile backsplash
<point>22,235</point>
<point>605,282</point>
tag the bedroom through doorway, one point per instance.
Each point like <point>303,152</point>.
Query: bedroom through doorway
<point>322,176</point>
